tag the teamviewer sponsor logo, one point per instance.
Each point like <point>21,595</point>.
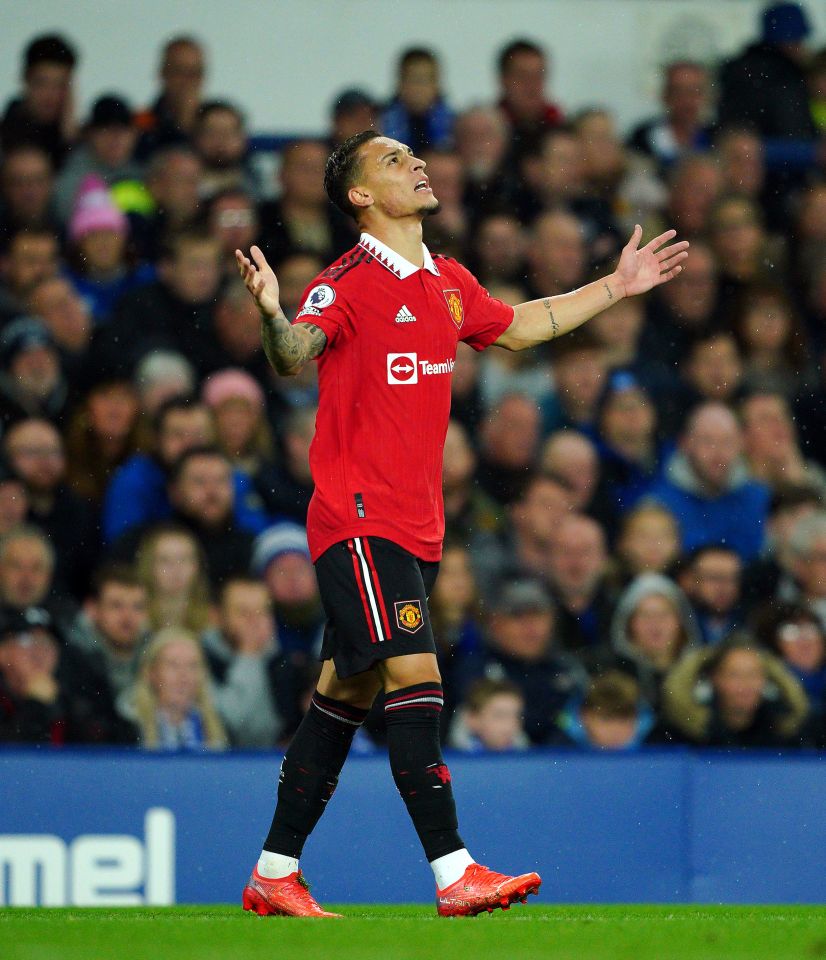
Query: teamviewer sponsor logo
<point>402,368</point>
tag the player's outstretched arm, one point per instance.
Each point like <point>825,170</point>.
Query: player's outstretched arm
<point>287,347</point>
<point>638,270</point>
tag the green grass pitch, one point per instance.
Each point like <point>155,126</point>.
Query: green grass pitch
<point>415,933</point>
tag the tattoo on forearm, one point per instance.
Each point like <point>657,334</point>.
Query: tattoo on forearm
<point>288,347</point>
<point>608,291</point>
<point>546,303</point>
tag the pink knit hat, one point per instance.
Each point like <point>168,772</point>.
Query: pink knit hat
<point>94,209</point>
<point>232,384</point>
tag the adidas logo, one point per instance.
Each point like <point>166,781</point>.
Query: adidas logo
<point>405,316</point>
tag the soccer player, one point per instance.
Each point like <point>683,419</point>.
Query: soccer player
<point>384,322</point>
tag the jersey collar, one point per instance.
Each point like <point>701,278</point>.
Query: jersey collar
<point>395,262</point>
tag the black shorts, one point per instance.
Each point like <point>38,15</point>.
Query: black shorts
<point>375,596</point>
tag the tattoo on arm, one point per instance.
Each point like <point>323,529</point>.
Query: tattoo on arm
<point>287,347</point>
<point>546,303</point>
<point>608,291</point>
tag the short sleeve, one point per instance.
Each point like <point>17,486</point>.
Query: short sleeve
<point>323,306</point>
<point>485,318</point>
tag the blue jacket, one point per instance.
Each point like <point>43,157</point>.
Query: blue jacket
<point>137,495</point>
<point>438,123</point>
<point>735,518</point>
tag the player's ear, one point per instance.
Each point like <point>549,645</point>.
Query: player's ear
<point>360,197</point>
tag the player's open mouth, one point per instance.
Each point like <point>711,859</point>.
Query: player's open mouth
<point>422,185</point>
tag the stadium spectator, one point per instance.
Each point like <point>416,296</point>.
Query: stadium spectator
<point>572,458</point>
<point>161,376</point>
<point>255,684</point>
<point>707,488</point>
<point>447,231</point>
<point>237,330</point>
<point>631,455</point>
<point>137,493</point>
<point>36,452</point>
<point>241,429</point>
<point>807,564</point>
<point>27,193</point>
<point>577,568</point>
<point>32,383</point>
<point>648,541</point>
<point>480,137</point>
<point>765,85</point>
<point>770,444</point>
<point>201,492</point>
<point>173,181</point>
<point>694,185</point>
<point>102,435</point>
<point>680,310</point>
<point>523,75</point>
<point>523,649</point>
<point>219,137</point>
<point>99,262</point>
<point>580,370</point>
<point>107,151</point>
<point>490,719</point>
<point>619,329</point>
<point>42,114</point>
<point>171,565</point>
<point>522,544</point>
<point>498,246</point>
<point>418,114</point>
<point>610,715</point>
<point>455,614</point>
<point>352,111</point>
<point>175,312</point>
<point>171,704</point>
<point>624,182</point>
<point>772,342</point>
<point>171,118</point>
<point>773,573</point>
<point>51,693</point>
<point>742,161</point>
<point>712,370</point>
<point>682,128</point>
<point>744,250</point>
<point>287,486</point>
<point>27,562</point>
<point>557,254</point>
<point>281,558</point>
<point>754,701</point>
<point>652,628</point>
<point>117,615</point>
<point>302,220</point>
<point>712,578</point>
<point>796,636</point>
<point>30,256</point>
<point>509,447</point>
<point>68,319</point>
<point>233,222</point>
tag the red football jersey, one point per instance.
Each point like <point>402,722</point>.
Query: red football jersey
<point>384,391</point>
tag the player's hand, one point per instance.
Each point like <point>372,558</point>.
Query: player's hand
<point>657,262</point>
<point>260,280</point>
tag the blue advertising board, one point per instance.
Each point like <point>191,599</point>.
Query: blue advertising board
<point>108,828</point>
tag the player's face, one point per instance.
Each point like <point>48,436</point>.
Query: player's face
<point>393,180</point>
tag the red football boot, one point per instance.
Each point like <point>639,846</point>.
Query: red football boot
<point>481,889</point>
<point>286,897</point>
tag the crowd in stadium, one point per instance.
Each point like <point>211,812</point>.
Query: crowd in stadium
<point>636,514</point>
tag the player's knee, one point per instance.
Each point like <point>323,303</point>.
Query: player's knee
<point>398,672</point>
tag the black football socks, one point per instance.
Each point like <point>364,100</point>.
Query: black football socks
<point>423,779</point>
<point>309,772</point>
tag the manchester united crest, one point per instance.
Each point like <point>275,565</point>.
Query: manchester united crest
<point>409,615</point>
<point>454,305</point>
